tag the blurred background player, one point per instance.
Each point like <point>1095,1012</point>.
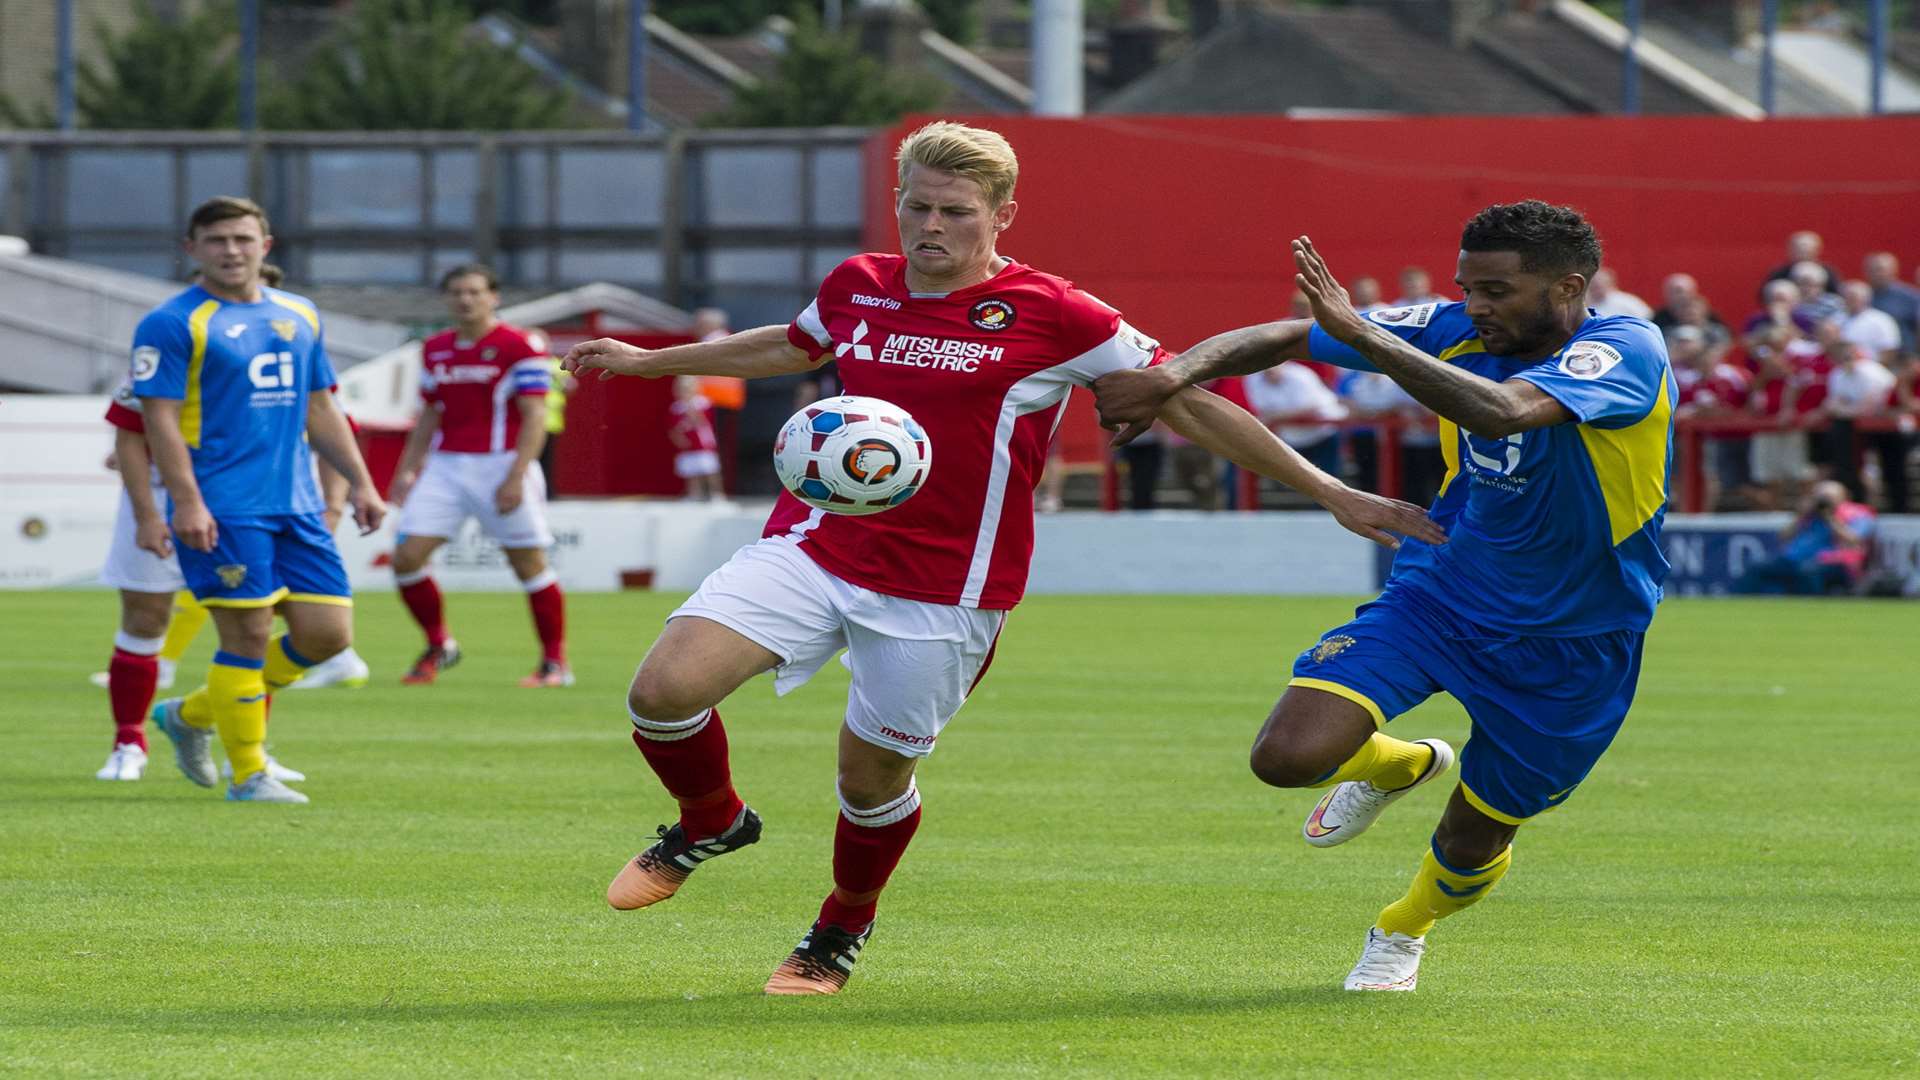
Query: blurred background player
<point>916,595</point>
<point>474,453</point>
<point>696,459</point>
<point>234,383</point>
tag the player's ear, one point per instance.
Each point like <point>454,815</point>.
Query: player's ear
<point>1571,287</point>
<point>1003,217</point>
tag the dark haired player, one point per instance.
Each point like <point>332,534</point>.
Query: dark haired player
<point>1556,424</point>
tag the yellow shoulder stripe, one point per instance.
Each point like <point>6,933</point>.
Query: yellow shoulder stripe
<point>288,302</point>
<point>190,408</point>
<point>1464,348</point>
<point>1630,464</point>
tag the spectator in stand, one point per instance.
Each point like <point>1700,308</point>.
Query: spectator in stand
<point>1895,446</point>
<point>1709,387</point>
<point>1818,302</point>
<point>1370,394</point>
<point>1859,387</point>
<point>1296,404</point>
<point>696,461</point>
<point>1867,326</point>
<point>1787,360</point>
<point>1366,294</point>
<point>1803,246</point>
<point>1605,296</point>
<point>1416,287</point>
<point>1144,457</point>
<point>1683,303</point>
<point>1896,298</point>
<point>1823,551</point>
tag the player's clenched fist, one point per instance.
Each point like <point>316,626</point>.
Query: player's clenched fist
<point>610,357</point>
<point>194,526</point>
<point>368,510</point>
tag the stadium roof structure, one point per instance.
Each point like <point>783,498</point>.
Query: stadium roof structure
<point>1389,58</point>
<point>65,327</point>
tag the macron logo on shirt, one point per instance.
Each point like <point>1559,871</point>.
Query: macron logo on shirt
<point>863,300</point>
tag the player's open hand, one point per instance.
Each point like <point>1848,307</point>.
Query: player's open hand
<point>1129,400</point>
<point>195,527</point>
<point>1379,518</point>
<point>609,357</point>
<point>152,535</point>
<point>507,497</point>
<point>1332,308</point>
<point>368,510</point>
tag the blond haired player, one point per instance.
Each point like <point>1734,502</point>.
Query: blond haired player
<point>983,351</point>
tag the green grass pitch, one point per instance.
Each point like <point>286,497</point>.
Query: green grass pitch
<point>1100,888</point>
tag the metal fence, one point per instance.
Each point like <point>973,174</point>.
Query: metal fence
<point>745,220</point>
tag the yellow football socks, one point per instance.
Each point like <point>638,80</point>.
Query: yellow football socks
<point>236,694</point>
<point>1438,891</point>
<point>1388,762</point>
<point>188,618</point>
<point>196,709</point>
<point>284,666</point>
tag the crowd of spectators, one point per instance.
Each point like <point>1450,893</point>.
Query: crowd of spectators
<point>1816,383</point>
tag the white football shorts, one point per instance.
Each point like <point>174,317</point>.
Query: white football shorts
<point>688,464</point>
<point>454,487</point>
<point>132,567</point>
<point>913,663</point>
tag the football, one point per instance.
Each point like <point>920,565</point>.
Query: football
<point>852,455</point>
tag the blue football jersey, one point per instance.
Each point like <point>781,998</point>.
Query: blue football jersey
<point>1552,532</point>
<point>242,373</point>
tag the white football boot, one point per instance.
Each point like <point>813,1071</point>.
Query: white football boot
<point>1349,808</point>
<point>262,787</point>
<point>127,762</point>
<point>274,769</point>
<point>344,668</point>
<point>1388,962</point>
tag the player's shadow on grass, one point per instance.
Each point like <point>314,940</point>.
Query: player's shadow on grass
<point>725,1010</point>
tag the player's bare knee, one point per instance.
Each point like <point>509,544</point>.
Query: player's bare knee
<point>658,693</point>
<point>867,788</point>
<point>1471,845</point>
<point>146,615</point>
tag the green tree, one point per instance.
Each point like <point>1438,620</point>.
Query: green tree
<point>824,79</point>
<point>178,74</point>
<point>956,19</point>
<point>411,65</point>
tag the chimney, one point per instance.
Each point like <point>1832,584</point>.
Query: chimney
<point>889,31</point>
<point>1139,29</point>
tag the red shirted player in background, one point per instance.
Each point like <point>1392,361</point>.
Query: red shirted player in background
<point>983,352</point>
<point>485,393</point>
<point>696,452</point>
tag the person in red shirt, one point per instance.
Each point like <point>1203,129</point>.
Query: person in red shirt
<point>696,451</point>
<point>474,454</point>
<point>983,352</point>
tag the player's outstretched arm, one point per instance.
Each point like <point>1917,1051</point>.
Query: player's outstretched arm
<point>191,521</point>
<point>1226,429</point>
<point>750,354</point>
<point>1129,400</point>
<point>1489,409</point>
<point>149,523</point>
<point>331,438</point>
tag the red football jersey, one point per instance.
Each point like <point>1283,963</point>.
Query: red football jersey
<point>473,385</point>
<point>986,371</point>
<point>692,428</point>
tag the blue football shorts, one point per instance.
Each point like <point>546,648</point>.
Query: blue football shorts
<point>1543,708</point>
<point>260,561</point>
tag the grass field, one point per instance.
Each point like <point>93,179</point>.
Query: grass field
<point>1100,888</point>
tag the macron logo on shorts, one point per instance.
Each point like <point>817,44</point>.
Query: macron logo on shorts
<point>901,736</point>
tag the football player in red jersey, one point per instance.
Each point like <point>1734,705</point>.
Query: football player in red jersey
<point>983,351</point>
<point>484,419</point>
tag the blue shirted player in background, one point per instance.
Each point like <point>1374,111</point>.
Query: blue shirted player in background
<point>234,381</point>
<point>1556,424</point>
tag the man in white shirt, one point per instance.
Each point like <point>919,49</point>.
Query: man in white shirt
<point>1287,399</point>
<point>1859,386</point>
<point>1605,296</point>
<point>1867,326</point>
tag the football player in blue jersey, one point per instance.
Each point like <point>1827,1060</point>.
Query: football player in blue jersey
<point>1556,425</point>
<point>234,381</point>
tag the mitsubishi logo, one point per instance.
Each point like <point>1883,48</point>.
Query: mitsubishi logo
<point>859,351</point>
